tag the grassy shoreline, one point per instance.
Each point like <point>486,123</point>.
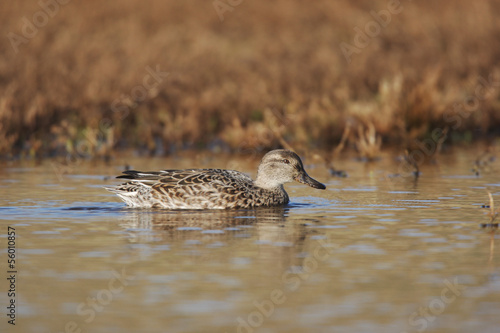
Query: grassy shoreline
<point>99,77</point>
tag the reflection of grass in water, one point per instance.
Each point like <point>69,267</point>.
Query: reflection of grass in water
<point>226,78</point>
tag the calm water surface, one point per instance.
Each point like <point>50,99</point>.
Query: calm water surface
<point>372,253</point>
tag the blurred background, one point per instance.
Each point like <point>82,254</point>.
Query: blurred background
<point>92,78</point>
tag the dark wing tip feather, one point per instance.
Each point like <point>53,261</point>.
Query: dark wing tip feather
<point>129,174</point>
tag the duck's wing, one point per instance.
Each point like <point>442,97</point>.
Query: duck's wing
<point>187,177</point>
<point>185,189</point>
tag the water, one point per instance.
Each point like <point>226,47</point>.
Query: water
<point>372,253</point>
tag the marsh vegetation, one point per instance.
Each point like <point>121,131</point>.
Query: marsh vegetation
<point>96,77</point>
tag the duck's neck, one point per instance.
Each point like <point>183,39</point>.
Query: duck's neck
<point>268,185</point>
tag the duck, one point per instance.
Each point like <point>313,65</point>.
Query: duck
<point>215,188</point>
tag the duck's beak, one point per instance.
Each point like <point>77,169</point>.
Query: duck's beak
<point>304,178</point>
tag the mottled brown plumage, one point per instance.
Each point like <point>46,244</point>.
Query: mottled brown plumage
<point>215,188</point>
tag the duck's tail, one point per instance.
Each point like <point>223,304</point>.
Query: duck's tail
<point>134,194</point>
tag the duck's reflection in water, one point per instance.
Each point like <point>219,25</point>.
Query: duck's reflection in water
<point>267,231</point>
<point>183,220</point>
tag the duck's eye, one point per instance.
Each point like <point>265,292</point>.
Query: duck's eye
<point>286,161</point>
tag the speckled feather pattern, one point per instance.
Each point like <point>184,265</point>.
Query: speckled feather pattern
<point>196,189</point>
<point>215,188</point>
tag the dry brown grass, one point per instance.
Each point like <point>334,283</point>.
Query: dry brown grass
<point>271,73</point>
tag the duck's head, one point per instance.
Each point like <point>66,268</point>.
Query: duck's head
<point>282,166</point>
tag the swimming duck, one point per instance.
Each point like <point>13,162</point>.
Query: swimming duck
<point>215,188</point>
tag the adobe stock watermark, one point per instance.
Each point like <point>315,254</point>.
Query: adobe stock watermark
<point>139,93</point>
<point>31,27</point>
<point>372,29</point>
<point>292,280</point>
<point>87,310</point>
<point>453,117</point>
<point>421,319</point>
<point>463,110</point>
<point>222,7</point>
